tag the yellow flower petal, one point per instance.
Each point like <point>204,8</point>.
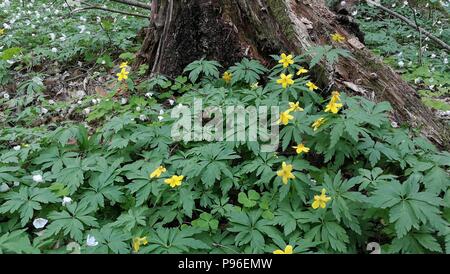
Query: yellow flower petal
<point>288,249</point>
<point>227,76</point>
<point>315,204</point>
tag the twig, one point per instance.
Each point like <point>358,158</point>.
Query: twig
<point>411,24</point>
<point>91,7</point>
<point>133,3</point>
<point>420,35</point>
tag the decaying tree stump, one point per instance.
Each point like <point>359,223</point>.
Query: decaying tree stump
<point>227,30</point>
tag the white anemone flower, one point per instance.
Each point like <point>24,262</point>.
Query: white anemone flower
<point>39,223</point>
<point>4,187</point>
<point>91,241</point>
<point>38,178</point>
<point>66,200</point>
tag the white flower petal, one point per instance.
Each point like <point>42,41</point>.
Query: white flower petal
<point>38,178</point>
<point>39,223</point>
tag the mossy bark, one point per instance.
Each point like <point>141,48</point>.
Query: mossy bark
<point>227,30</point>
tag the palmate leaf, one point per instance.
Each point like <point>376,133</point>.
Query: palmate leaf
<point>251,229</point>
<point>102,185</point>
<point>141,184</point>
<point>53,157</point>
<point>72,175</point>
<point>415,243</point>
<point>326,52</point>
<point>291,217</point>
<point>436,180</point>
<point>110,240</point>
<point>71,221</point>
<point>408,207</point>
<point>211,163</point>
<point>16,242</point>
<point>330,233</point>
<point>26,201</point>
<point>132,218</point>
<point>6,173</point>
<point>343,200</point>
<point>208,68</point>
<point>261,165</point>
<point>372,178</point>
<point>248,71</point>
<point>174,241</point>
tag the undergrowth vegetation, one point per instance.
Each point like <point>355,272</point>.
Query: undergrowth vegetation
<point>351,178</point>
<point>101,173</point>
<point>407,50</point>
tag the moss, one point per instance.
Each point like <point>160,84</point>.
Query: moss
<point>278,9</point>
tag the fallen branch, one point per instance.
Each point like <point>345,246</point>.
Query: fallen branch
<point>133,3</point>
<point>91,7</point>
<point>411,24</point>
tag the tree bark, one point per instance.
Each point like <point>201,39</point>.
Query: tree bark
<point>227,30</point>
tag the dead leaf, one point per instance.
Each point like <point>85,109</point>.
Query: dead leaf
<point>100,91</point>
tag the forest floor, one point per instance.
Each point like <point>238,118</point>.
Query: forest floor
<point>87,156</point>
<point>73,60</point>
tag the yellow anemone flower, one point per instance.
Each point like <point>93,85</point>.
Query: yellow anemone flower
<point>301,148</point>
<point>137,242</point>
<point>338,38</point>
<point>294,107</point>
<point>285,173</point>
<point>123,65</point>
<point>321,201</point>
<point>317,123</point>
<point>157,172</point>
<point>123,75</point>
<point>311,86</point>
<point>285,80</point>
<point>286,60</point>
<point>335,97</point>
<point>301,71</point>
<point>287,250</point>
<point>174,181</point>
<point>227,77</point>
<point>284,118</point>
<point>333,107</point>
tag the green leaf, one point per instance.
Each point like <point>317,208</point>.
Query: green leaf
<point>408,207</point>
<point>208,68</point>
<point>436,180</point>
<point>71,221</point>
<point>16,242</point>
<point>187,201</point>
<point>26,201</point>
